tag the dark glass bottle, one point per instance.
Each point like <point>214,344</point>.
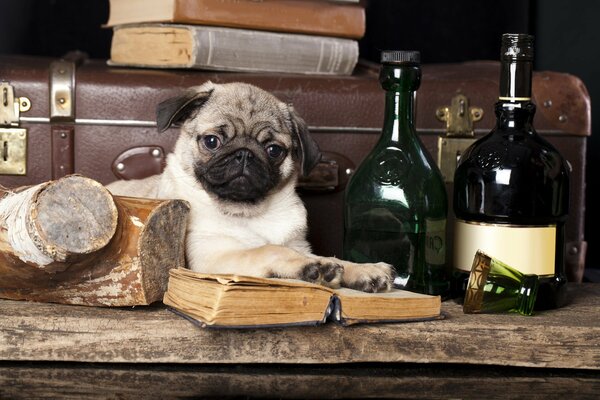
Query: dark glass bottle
<point>511,187</point>
<point>396,201</point>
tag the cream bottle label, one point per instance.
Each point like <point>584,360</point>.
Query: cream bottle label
<point>529,249</point>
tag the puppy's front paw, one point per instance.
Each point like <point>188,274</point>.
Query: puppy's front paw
<point>370,278</point>
<point>325,273</point>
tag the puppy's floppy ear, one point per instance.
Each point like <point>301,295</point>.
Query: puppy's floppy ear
<point>307,149</point>
<point>179,108</point>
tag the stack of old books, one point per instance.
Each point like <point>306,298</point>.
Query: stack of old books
<point>290,36</point>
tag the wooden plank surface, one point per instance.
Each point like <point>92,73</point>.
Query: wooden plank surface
<point>564,338</point>
<point>143,381</point>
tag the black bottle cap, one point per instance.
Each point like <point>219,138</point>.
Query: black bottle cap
<point>400,57</point>
<point>517,47</point>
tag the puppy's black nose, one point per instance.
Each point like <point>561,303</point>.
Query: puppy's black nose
<point>243,155</point>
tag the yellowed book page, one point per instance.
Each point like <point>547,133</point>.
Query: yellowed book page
<point>160,46</point>
<point>232,300</point>
<point>128,11</point>
<point>393,305</point>
<point>228,279</point>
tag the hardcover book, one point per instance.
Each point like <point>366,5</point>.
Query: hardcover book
<point>327,18</point>
<point>227,49</point>
<point>239,301</point>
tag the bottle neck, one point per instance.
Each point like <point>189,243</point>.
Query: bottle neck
<point>399,115</point>
<point>514,109</point>
<point>515,80</point>
<point>527,294</point>
<point>515,116</point>
<point>400,83</point>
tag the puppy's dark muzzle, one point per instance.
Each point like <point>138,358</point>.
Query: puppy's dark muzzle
<point>242,162</point>
<point>242,157</point>
<point>238,176</point>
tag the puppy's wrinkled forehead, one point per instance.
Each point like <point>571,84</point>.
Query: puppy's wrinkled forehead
<point>241,110</point>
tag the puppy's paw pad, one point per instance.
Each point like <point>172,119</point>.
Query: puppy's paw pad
<point>332,272</point>
<point>370,285</point>
<point>323,273</point>
<point>372,278</point>
<point>311,272</point>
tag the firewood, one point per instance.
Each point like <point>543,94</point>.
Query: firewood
<point>70,241</point>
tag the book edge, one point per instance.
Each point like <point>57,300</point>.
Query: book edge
<point>202,324</point>
<point>355,321</point>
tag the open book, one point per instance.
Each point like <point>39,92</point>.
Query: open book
<point>241,301</point>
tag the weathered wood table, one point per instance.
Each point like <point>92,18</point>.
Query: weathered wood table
<point>149,352</point>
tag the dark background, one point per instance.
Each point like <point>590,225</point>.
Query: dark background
<point>567,34</point>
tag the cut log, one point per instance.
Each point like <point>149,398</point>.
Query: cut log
<point>57,220</point>
<point>70,241</point>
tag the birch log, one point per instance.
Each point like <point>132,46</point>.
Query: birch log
<point>70,241</point>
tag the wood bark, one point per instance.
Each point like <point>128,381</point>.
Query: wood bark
<point>64,219</point>
<point>95,248</point>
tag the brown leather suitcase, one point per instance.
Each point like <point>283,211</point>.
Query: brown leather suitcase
<point>80,116</point>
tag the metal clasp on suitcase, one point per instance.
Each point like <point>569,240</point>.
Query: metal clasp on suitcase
<point>13,140</point>
<point>459,118</point>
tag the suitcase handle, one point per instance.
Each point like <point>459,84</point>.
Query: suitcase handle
<point>139,162</point>
<point>331,174</point>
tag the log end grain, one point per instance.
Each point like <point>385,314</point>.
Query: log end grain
<point>162,246</point>
<point>74,215</point>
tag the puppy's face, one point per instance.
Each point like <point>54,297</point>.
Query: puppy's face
<point>238,141</point>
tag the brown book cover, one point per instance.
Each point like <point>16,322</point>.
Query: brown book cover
<point>232,301</point>
<point>328,18</point>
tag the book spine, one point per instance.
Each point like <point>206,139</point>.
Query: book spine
<point>248,50</point>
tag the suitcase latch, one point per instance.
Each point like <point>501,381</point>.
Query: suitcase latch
<point>459,118</point>
<point>13,140</point>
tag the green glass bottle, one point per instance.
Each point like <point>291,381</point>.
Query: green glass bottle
<point>395,204</point>
<point>494,287</point>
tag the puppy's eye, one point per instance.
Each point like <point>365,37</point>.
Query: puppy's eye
<point>211,142</point>
<point>275,151</point>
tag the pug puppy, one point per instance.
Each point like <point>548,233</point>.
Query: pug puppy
<point>236,162</point>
